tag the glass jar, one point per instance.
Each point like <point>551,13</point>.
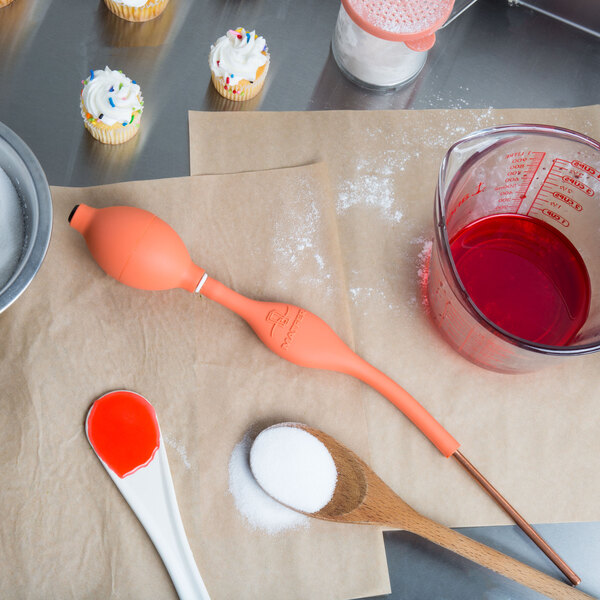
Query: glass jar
<point>371,61</point>
<point>383,44</point>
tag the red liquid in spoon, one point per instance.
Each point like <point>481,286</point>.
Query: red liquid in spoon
<point>123,430</point>
<point>524,276</point>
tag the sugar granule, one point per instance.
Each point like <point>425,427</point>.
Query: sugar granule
<point>294,467</point>
<point>260,511</point>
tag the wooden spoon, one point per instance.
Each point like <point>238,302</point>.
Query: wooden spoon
<point>360,496</point>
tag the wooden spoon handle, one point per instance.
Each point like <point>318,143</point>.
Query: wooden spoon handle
<point>493,559</point>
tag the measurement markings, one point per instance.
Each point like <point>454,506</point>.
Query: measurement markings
<point>540,202</point>
<point>587,169</point>
<point>534,164</point>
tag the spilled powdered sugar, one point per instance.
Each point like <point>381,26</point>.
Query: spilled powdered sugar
<point>373,185</point>
<point>296,239</point>
<point>291,248</point>
<point>257,507</point>
<point>373,182</point>
<point>373,297</point>
<point>179,448</point>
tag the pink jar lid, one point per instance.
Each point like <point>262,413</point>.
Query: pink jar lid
<point>413,22</point>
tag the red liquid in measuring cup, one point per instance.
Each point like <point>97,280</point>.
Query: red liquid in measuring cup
<point>524,276</point>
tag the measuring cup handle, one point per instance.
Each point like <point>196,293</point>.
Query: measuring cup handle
<point>402,400</point>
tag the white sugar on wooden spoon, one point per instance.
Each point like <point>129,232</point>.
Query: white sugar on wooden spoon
<point>294,467</point>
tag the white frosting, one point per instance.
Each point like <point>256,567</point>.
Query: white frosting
<point>238,55</point>
<point>113,95</point>
<point>132,3</point>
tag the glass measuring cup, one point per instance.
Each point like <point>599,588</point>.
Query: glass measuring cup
<point>544,175</point>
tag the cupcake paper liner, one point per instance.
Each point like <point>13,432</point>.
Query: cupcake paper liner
<point>244,90</point>
<point>150,10</point>
<point>115,134</point>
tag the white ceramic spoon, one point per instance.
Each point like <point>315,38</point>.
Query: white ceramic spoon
<point>120,422</point>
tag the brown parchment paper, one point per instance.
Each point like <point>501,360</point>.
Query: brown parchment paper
<point>534,436</point>
<point>66,532</point>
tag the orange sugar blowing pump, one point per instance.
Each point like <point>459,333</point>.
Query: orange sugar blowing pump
<point>140,250</point>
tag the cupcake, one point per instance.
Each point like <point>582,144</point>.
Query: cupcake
<point>111,106</point>
<point>239,62</point>
<point>136,10</point>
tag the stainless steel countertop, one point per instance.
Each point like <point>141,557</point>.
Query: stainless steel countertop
<point>493,55</point>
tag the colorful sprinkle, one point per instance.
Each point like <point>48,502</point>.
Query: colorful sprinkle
<point>227,80</point>
<point>112,89</point>
<point>112,103</point>
<point>247,37</point>
<point>100,116</point>
<point>130,122</point>
<point>225,86</point>
<point>124,124</point>
<point>133,81</point>
<point>218,62</point>
<point>91,74</point>
<point>120,85</point>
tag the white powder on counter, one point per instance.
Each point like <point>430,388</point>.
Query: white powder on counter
<point>373,185</point>
<point>259,509</point>
<point>179,448</point>
<point>294,467</point>
<point>12,231</point>
<point>299,234</point>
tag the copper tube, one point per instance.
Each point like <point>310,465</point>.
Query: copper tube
<point>517,518</point>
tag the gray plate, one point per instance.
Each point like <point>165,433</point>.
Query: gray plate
<point>26,174</point>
